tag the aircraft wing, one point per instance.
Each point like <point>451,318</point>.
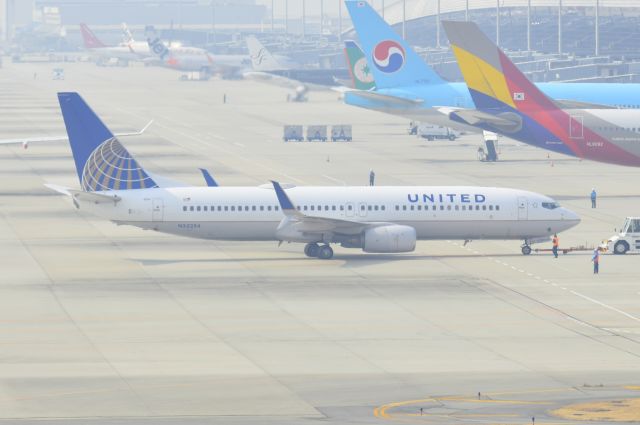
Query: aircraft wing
<point>380,97</point>
<point>309,224</point>
<point>25,141</point>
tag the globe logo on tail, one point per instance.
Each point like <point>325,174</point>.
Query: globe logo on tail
<point>388,56</point>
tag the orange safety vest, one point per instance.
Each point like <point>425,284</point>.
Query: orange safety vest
<point>556,241</point>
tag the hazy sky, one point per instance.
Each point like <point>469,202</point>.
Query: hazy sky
<point>313,6</point>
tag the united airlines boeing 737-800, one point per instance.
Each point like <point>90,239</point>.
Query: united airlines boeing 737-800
<point>375,219</point>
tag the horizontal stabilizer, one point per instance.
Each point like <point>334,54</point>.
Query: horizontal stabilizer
<point>379,97</point>
<point>96,198</point>
<point>505,122</point>
<point>79,195</point>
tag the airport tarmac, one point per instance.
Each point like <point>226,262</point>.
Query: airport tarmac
<point>114,325</point>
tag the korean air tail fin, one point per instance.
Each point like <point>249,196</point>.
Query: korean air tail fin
<point>494,81</point>
<point>361,76</point>
<point>89,38</point>
<point>261,57</point>
<point>102,163</point>
<point>393,62</point>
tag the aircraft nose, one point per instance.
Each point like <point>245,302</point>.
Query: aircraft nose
<point>570,216</point>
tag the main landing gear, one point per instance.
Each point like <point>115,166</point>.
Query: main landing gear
<point>526,249</point>
<point>324,252</point>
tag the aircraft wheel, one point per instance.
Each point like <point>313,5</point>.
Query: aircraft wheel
<point>311,250</point>
<point>526,250</point>
<point>325,252</point>
<point>621,247</point>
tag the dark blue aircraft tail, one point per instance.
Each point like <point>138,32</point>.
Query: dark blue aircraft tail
<point>101,161</point>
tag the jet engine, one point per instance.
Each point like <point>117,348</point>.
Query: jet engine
<point>390,238</point>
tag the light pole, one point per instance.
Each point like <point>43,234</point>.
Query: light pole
<point>560,27</point>
<point>597,27</point>
<point>498,22</point>
<point>404,19</point>
<point>529,25</point>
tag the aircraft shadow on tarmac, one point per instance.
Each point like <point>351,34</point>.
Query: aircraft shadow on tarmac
<point>350,260</point>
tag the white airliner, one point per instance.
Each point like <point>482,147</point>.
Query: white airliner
<point>374,219</point>
<point>128,50</point>
<point>194,58</point>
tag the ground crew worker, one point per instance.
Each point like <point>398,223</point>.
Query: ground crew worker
<point>593,198</point>
<point>596,261</point>
<point>556,244</point>
<point>372,178</point>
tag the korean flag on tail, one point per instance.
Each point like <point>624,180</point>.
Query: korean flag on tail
<point>518,96</point>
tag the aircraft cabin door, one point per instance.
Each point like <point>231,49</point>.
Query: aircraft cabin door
<point>362,209</point>
<point>523,212</point>
<point>349,207</point>
<point>576,127</point>
<point>157,209</point>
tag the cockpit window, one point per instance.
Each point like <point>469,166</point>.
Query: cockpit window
<point>550,205</point>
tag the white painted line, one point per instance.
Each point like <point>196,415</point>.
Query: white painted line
<point>529,274</point>
<point>580,322</point>
<point>521,271</point>
<point>333,179</point>
<point>239,144</point>
<point>624,313</point>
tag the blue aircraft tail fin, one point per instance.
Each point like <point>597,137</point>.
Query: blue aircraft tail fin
<point>101,161</point>
<point>393,62</point>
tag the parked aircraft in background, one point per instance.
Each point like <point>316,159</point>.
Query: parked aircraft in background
<point>283,71</point>
<point>508,103</point>
<point>361,74</point>
<point>194,58</point>
<point>375,219</point>
<point>128,50</point>
<point>407,86</point>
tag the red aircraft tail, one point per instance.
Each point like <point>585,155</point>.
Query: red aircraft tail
<point>90,39</point>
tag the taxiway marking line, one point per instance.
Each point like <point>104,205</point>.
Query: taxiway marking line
<point>617,310</point>
<point>578,294</point>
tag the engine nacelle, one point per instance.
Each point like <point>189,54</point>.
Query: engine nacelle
<point>391,238</point>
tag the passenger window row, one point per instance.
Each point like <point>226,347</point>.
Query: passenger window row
<point>221,208</point>
<point>449,207</point>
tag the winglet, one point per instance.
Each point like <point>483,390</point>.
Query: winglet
<point>208,178</point>
<point>285,203</point>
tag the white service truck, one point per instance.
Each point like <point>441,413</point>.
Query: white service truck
<point>432,132</point>
<point>628,240</point>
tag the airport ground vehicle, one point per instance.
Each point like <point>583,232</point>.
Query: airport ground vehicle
<point>628,240</point>
<point>293,132</point>
<point>57,74</point>
<point>491,143</point>
<point>341,132</point>
<point>432,132</point>
<point>317,133</point>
